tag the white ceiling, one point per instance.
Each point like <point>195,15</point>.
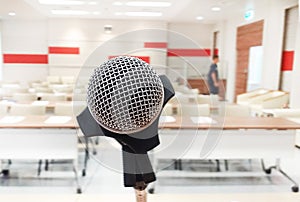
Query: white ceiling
<point>179,11</point>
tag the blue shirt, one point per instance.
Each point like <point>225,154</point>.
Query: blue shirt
<point>212,88</point>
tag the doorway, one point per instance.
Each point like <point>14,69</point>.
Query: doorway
<point>248,36</point>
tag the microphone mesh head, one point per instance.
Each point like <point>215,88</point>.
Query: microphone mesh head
<point>125,95</point>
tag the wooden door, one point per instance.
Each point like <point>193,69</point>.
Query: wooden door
<point>247,36</point>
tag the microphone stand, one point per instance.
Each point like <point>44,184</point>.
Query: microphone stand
<point>138,172</point>
<point>140,191</point>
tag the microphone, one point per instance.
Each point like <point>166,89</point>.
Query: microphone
<point>125,97</point>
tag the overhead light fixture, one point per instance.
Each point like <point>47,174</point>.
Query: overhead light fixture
<point>118,13</point>
<point>92,3</point>
<point>149,3</point>
<point>61,2</point>
<point>215,8</point>
<point>96,13</point>
<point>69,12</point>
<point>199,18</point>
<point>144,14</point>
<point>117,3</point>
<point>11,13</point>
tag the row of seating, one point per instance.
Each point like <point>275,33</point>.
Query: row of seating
<point>60,109</point>
<point>263,99</point>
<point>232,110</point>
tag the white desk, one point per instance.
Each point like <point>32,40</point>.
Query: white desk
<point>228,138</point>
<point>39,138</point>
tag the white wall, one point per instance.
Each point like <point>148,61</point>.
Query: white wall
<point>292,19</point>
<point>34,37</point>
<point>89,35</point>
<point>190,36</point>
<point>24,37</point>
<point>1,50</point>
<point>295,87</point>
<point>273,15</point>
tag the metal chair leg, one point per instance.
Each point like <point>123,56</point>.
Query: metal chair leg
<point>78,188</point>
<point>39,167</point>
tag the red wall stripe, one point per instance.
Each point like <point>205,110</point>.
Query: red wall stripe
<point>155,45</point>
<point>25,58</point>
<point>144,58</point>
<point>216,52</point>
<point>189,52</point>
<point>63,50</point>
<point>287,61</point>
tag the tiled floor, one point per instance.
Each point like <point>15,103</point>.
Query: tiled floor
<point>104,177</point>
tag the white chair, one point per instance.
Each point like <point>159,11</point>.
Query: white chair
<point>54,97</point>
<point>20,97</point>
<point>193,110</point>
<point>63,109</point>
<point>272,100</point>
<point>68,79</point>
<point>234,110</point>
<point>293,115</point>
<point>53,79</point>
<point>184,98</point>
<point>62,88</point>
<point>3,109</point>
<point>246,97</point>
<point>43,89</point>
<point>69,109</point>
<point>27,110</point>
<point>167,110</point>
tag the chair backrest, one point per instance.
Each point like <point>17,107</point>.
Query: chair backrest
<point>54,97</point>
<point>69,109</point>
<point>68,79</point>
<point>286,112</point>
<point>19,97</point>
<point>236,111</point>
<point>63,109</point>
<point>27,109</point>
<point>3,109</point>
<point>193,110</point>
<point>167,110</point>
<point>53,79</point>
<point>246,96</point>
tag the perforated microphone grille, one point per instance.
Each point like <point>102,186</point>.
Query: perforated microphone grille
<point>125,95</point>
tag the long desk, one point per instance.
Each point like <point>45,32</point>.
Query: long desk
<point>226,138</point>
<point>39,138</point>
<point>46,137</point>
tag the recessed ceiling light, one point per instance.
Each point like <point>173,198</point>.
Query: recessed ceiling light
<point>96,13</point>
<point>12,13</point>
<point>215,8</point>
<point>117,3</point>
<point>148,3</point>
<point>92,3</point>
<point>118,13</point>
<point>69,12</point>
<point>199,18</point>
<point>61,2</point>
<point>144,14</point>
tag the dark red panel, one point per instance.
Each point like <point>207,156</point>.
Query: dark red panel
<point>155,45</point>
<point>63,50</point>
<point>144,58</point>
<point>189,52</point>
<point>25,58</point>
<point>287,61</point>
